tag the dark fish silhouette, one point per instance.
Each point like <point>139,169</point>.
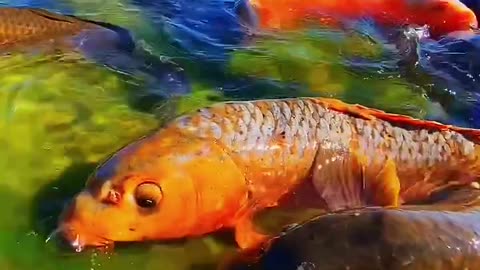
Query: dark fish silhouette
<point>440,235</point>
<point>28,29</point>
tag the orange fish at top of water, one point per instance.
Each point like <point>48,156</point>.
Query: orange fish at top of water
<point>216,168</point>
<point>442,16</point>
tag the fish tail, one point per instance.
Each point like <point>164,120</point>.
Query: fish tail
<point>127,43</point>
<point>164,81</point>
<point>169,78</point>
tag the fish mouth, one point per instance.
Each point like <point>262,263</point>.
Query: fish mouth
<point>71,239</point>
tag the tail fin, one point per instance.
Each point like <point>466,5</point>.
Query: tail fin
<point>165,81</point>
<point>126,41</point>
<point>114,47</point>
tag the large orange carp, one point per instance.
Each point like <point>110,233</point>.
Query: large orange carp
<point>217,167</point>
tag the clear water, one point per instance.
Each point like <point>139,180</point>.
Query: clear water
<point>60,117</point>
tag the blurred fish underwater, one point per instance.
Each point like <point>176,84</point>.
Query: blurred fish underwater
<point>378,239</point>
<point>38,31</point>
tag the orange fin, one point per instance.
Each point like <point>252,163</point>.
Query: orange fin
<point>386,186</point>
<point>338,177</point>
<point>303,195</point>
<point>246,236</point>
<point>344,182</point>
<point>351,109</point>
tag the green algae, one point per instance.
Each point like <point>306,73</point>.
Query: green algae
<point>316,60</point>
<point>54,129</point>
<point>56,126</point>
<point>53,117</point>
<point>201,96</point>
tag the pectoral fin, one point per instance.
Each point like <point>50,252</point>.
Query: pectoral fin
<point>246,235</point>
<point>338,177</point>
<point>345,180</point>
<point>385,188</point>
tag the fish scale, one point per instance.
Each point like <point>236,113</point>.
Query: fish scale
<point>306,124</point>
<point>18,24</point>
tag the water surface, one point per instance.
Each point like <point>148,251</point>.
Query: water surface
<point>60,117</point>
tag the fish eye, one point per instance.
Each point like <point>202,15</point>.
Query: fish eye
<point>148,195</point>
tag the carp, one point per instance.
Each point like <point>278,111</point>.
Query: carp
<point>217,167</point>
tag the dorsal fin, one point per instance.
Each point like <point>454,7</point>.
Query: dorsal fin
<point>51,15</point>
<point>403,121</point>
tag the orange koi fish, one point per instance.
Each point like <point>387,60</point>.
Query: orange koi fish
<point>442,16</point>
<point>216,168</point>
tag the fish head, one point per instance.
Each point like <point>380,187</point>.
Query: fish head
<point>442,16</point>
<point>158,188</point>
